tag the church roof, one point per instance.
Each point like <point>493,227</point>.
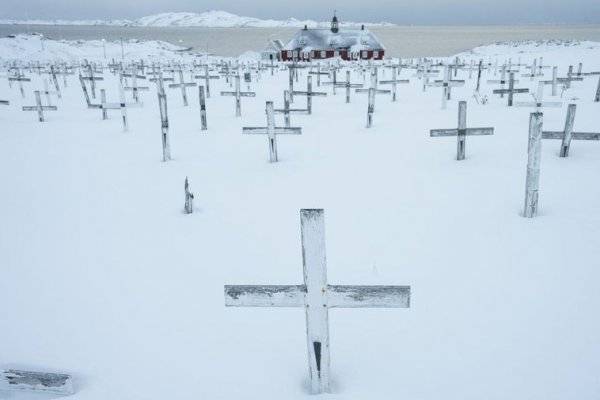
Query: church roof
<point>325,39</point>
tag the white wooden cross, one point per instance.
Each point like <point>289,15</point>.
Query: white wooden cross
<point>41,382</point>
<point>19,77</point>
<point>135,88</point>
<point>238,95</point>
<point>122,105</point>
<point>533,71</point>
<point>39,107</point>
<point>207,77</point>
<point>286,110</point>
<point>189,198</point>
<point>597,98</point>
<point>318,73</point>
<point>55,81</point>
<point>534,155</point>
<point>567,134</point>
<point>372,91</point>
<point>462,131</point>
<point>511,89</point>
<point>202,100</point>
<point>570,78</point>
<point>92,78</point>
<point>309,94</point>
<point>553,81</point>
<point>164,125</point>
<point>4,102</point>
<point>502,81</point>
<point>49,92</point>
<point>271,131</point>
<point>394,82</point>
<point>539,100</point>
<point>447,84</point>
<point>348,85</point>
<point>316,296</point>
<point>182,85</point>
<point>333,82</point>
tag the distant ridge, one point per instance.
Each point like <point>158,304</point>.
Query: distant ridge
<point>208,19</point>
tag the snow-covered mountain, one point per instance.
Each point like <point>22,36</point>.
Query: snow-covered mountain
<point>208,19</point>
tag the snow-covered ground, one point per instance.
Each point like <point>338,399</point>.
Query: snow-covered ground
<point>207,19</point>
<point>104,277</point>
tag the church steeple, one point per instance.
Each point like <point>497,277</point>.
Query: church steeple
<point>334,23</point>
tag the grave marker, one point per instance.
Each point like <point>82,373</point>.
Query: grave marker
<point>511,89</point>
<point>372,91</point>
<point>272,131</point>
<point>462,131</point>
<point>567,134</point>
<point>447,84</point>
<point>394,82</point>
<point>348,85</point>
<point>189,198</point>
<point>162,104</point>
<point>286,110</point>
<point>238,96</point>
<point>316,296</point>
<point>44,382</point>
<point>202,107</point>
<point>39,107</point>
<point>309,94</point>
<point>534,155</point>
<point>182,85</point>
<point>539,100</point>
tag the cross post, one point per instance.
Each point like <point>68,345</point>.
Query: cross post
<point>271,131</point>
<point>286,110</point>
<point>511,89</point>
<point>316,296</point>
<point>534,155</point>
<point>207,77</point>
<point>394,82</point>
<point>39,107</point>
<point>202,107</point>
<point>182,85</point>
<point>238,95</point>
<point>462,131</point>
<point>567,134</point>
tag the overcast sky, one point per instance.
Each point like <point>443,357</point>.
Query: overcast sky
<point>396,11</point>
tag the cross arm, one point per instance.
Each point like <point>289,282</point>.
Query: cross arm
<point>396,81</point>
<point>343,296</point>
<point>289,131</point>
<point>553,135</point>
<point>443,132</point>
<point>586,135</point>
<point>248,94</point>
<point>36,381</point>
<point>479,131</point>
<point>264,295</point>
<point>254,130</point>
<point>502,91</point>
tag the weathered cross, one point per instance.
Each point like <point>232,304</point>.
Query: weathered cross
<point>318,73</point>
<point>92,78</point>
<point>462,131</point>
<point>182,85</point>
<point>570,78</point>
<point>333,82</point>
<point>48,92</point>
<point>19,77</point>
<point>567,134</point>
<point>533,70</point>
<point>316,296</point>
<point>189,198</point>
<point>447,84</point>
<point>135,89</point>
<point>39,107</point>
<point>207,77</point>
<point>534,155</point>
<point>238,96</point>
<point>286,110</point>
<point>597,98</point>
<point>539,100</point>
<point>348,85</point>
<point>502,81</point>
<point>202,100</point>
<point>43,382</point>
<point>394,82</point>
<point>123,106</point>
<point>511,89</point>
<point>164,125</point>
<point>372,91</point>
<point>309,94</point>
<point>272,131</point>
<point>553,81</point>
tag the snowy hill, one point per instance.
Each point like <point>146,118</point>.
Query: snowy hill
<point>208,19</point>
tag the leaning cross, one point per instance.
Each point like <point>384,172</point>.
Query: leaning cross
<point>238,95</point>
<point>19,77</point>
<point>135,89</point>
<point>271,131</point>
<point>182,85</point>
<point>570,78</point>
<point>317,297</point>
<point>39,107</point>
<point>567,134</point>
<point>511,89</point>
<point>462,131</point>
<point>309,94</point>
<point>92,79</point>
<point>502,80</point>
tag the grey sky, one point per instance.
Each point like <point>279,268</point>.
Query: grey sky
<point>396,11</point>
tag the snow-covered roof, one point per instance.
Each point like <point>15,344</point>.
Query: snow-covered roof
<point>273,46</point>
<point>325,39</point>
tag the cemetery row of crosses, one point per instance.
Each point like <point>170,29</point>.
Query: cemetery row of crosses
<point>364,81</point>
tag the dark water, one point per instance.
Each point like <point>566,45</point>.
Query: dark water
<point>402,41</point>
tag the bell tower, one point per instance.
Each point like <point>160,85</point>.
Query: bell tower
<point>334,23</point>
